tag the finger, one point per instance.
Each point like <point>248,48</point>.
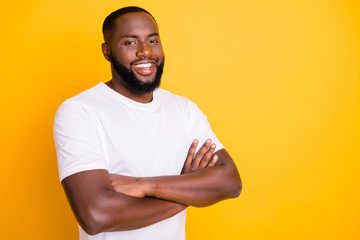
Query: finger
<point>200,154</point>
<point>207,156</point>
<point>190,156</point>
<point>213,161</point>
<point>191,152</point>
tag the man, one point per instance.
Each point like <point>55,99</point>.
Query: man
<point>132,157</point>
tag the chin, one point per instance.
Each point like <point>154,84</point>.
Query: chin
<point>146,79</point>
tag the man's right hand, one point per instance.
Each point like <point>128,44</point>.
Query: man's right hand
<point>202,159</point>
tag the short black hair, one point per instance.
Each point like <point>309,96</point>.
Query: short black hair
<point>109,22</point>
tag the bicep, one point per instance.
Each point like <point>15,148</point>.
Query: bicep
<point>96,207</point>
<point>230,171</point>
<point>225,158</point>
<point>87,193</point>
<point>99,209</point>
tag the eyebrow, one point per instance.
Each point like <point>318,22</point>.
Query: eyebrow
<point>153,34</point>
<point>135,36</point>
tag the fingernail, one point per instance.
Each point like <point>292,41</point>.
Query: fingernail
<point>215,158</point>
<point>195,141</point>
<point>208,141</point>
<point>213,145</point>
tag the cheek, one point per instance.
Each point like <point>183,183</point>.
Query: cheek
<point>126,57</point>
<point>159,53</point>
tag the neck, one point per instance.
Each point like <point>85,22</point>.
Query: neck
<point>121,89</point>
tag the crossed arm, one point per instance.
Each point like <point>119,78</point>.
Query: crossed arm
<point>103,202</point>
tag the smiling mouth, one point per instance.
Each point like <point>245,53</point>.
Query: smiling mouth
<point>144,68</point>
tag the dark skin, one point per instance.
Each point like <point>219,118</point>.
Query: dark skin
<point>136,40</point>
<point>106,202</point>
<point>200,184</point>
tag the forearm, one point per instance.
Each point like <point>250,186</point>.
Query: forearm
<point>98,208</point>
<point>133,213</point>
<point>200,189</point>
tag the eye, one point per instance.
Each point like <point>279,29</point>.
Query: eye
<point>154,41</point>
<point>128,43</point>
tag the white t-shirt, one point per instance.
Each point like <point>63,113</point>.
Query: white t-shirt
<point>101,129</point>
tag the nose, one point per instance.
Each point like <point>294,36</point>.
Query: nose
<point>144,50</point>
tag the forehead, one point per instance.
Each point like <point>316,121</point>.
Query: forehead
<point>134,23</point>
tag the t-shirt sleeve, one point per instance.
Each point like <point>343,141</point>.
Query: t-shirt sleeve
<point>200,128</point>
<point>77,140</point>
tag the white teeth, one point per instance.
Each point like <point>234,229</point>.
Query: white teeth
<point>144,65</point>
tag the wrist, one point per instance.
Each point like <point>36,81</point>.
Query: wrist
<point>150,187</point>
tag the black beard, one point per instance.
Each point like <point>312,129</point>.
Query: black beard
<point>131,82</point>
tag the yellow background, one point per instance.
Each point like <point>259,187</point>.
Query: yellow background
<point>278,80</point>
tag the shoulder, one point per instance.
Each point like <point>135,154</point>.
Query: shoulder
<point>80,105</point>
<point>166,96</point>
<point>181,104</point>
<point>89,96</point>
<point>86,99</point>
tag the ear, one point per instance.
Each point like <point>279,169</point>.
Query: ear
<point>106,51</point>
